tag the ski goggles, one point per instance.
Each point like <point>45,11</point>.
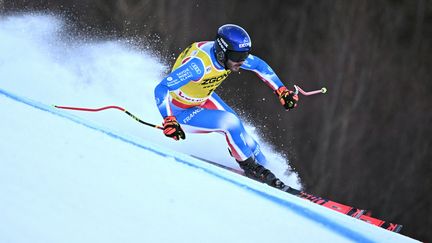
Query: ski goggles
<point>237,56</point>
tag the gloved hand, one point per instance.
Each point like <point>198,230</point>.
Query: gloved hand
<point>172,129</point>
<point>287,98</point>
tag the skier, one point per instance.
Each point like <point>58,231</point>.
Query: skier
<point>187,101</point>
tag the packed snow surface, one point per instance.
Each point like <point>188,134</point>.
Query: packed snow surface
<point>102,177</point>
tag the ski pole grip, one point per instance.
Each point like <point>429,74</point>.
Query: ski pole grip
<point>323,90</point>
<point>296,89</point>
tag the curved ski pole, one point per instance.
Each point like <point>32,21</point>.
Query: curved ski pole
<point>109,107</point>
<point>323,90</point>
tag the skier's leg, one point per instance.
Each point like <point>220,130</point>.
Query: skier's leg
<point>203,120</point>
<point>253,166</point>
<point>216,103</point>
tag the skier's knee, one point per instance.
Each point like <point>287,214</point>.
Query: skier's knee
<point>232,123</point>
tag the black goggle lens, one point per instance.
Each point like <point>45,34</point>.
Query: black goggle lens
<point>236,56</point>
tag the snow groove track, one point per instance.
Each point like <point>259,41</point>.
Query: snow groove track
<point>268,193</point>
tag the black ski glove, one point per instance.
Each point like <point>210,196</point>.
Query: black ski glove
<point>287,98</point>
<point>172,129</point>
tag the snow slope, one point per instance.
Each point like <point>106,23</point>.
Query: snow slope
<point>42,60</point>
<point>75,177</point>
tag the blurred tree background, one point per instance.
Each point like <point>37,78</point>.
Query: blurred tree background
<point>367,142</point>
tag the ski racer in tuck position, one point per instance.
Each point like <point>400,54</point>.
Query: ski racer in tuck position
<point>188,103</point>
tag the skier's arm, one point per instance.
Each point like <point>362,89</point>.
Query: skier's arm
<point>263,70</point>
<point>255,64</point>
<point>191,70</point>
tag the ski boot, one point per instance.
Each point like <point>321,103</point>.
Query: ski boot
<point>259,173</point>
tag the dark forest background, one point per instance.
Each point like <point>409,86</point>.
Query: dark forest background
<point>368,142</point>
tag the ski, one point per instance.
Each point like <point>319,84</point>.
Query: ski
<point>338,207</point>
<point>360,214</point>
<point>348,210</point>
<point>381,223</point>
<point>341,208</point>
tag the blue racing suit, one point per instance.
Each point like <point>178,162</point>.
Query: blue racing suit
<point>188,94</point>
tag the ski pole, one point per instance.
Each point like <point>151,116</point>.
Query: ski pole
<point>323,90</point>
<point>106,108</point>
